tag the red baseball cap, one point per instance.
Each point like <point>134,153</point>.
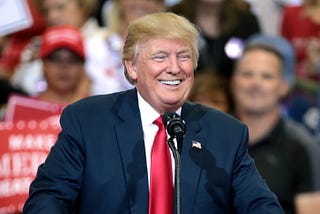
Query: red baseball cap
<point>62,37</point>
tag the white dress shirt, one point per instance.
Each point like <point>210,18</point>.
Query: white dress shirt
<point>148,116</point>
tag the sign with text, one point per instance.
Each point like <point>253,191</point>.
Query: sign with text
<point>24,146</point>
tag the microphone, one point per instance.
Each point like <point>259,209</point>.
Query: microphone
<point>175,126</point>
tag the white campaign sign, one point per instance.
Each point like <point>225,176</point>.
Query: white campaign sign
<point>15,16</point>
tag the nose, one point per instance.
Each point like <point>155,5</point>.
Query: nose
<point>173,65</point>
<point>255,82</point>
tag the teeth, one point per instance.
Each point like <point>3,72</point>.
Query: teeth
<point>170,82</point>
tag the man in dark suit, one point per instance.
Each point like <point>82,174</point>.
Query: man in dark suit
<point>101,161</point>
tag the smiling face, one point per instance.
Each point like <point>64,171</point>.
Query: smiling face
<point>163,72</point>
<point>258,84</point>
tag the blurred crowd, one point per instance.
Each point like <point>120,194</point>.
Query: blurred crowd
<point>259,62</point>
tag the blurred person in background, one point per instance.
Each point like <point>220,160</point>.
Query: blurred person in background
<point>106,7</point>
<point>269,13</point>
<point>63,55</point>
<point>301,26</point>
<point>224,26</point>
<point>212,90</point>
<point>11,49</point>
<point>104,62</point>
<point>77,13</point>
<point>258,86</point>
<point>296,128</point>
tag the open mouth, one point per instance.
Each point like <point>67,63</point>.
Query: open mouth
<point>171,82</point>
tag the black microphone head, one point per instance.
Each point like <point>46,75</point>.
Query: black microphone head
<point>174,124</point>
<point>168,116</point>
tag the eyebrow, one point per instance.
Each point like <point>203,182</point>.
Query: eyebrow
<point>183,50</point>
<point>158,52</point>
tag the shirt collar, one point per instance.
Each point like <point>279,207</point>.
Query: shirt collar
<point>147,113</point>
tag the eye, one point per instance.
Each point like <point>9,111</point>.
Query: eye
<point>268,76</point>
<point>159,57</point>
<point>245,73</point>
<point>184,56</point>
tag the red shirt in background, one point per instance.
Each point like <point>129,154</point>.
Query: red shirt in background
<point>299,29</point>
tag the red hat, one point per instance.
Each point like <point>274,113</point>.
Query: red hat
<point>62,37</point>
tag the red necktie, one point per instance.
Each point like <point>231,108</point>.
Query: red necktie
<point>161,184</point>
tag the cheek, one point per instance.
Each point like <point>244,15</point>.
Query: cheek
<point>77,74</point>
<point>190,82</point>
<point>235,85</point>
<point>279,91</point>
<point>151,70</point>
<point>239,90</point>
<point>189,67</point>
<point>48,70</point>
<point>249,85</point>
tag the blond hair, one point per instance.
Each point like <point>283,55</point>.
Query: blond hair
<point>164,24</point>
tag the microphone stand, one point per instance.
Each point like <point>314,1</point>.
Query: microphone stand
<point>177,160</point>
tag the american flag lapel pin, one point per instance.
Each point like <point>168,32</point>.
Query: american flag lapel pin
<point>196,144</point>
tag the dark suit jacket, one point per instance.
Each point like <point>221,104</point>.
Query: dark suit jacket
<point>98,164</point>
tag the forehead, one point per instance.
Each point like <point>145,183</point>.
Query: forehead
<point>63,51</point>
<point>161,43</point>
<point>260,59</point>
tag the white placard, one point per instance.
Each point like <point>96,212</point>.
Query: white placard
<point>14,16</point>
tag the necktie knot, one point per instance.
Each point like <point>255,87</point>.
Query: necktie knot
<point>159,123</point>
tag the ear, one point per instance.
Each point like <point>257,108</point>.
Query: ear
<point>131,69</point>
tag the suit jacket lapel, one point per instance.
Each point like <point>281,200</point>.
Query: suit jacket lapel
<point>191,157</point>
<point>131,144</point>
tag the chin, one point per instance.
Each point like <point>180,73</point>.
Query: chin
<point>172,102</point>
